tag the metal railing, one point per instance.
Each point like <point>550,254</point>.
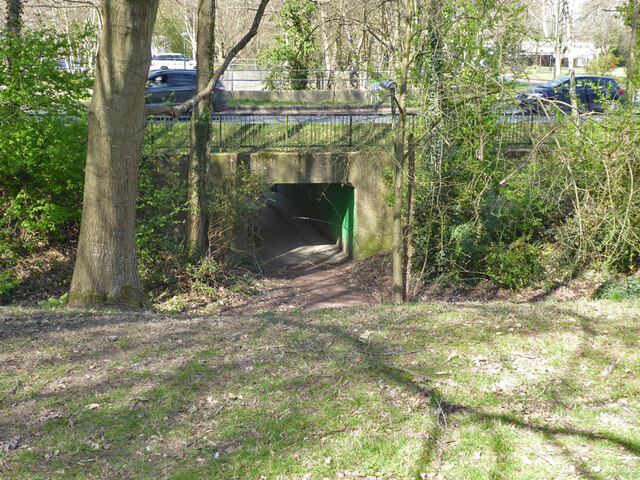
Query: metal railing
<point>296,131</point>
<point>326,131</point>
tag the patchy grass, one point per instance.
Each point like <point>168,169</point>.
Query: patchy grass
<point>475,390</point>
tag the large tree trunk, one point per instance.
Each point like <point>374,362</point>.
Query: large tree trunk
<point>106,269</point>
<point>197,224</point>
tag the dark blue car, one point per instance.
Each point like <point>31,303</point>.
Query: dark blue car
<point>177,86</point>
<point>593,93</point>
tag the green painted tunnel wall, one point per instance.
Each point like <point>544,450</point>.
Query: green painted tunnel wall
<point>330,205</point>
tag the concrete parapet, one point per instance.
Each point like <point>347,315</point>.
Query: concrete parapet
<point>302,96</point>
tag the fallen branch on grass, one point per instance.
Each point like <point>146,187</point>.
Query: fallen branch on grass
<point>12,391</point>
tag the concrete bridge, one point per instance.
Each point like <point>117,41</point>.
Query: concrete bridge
<point>344,193</point>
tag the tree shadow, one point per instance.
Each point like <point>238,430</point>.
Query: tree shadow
<point>215,358</point>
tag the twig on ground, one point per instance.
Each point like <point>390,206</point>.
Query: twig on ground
<point>608,370</point>
<point>391,354</point>
<point>545,459</point>
<point>518,354</point>
<point>12,391</point>
<point>415,376</point>
<point>337,430</point>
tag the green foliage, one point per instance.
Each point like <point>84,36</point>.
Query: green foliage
<point>161,210</point>
<point>234,201</point>
<point>569,207</point>
<point>42,142</point>
<point>165,268</point>
<point>603,64</point>
<point>8,283</point>
<point>602,171</point>
<point>295,52</point>
<point>470,225</point>
<point>619,289</point>
<point>515,265</point>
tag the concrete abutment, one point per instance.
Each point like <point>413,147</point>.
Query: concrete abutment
<point>345,192</point>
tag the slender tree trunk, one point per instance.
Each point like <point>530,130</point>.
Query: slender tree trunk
<point>197,218</point>
<point>106,268</point>
<point>557,32</point>
<point>573,95</point>
<point>397,234</point>
<point>411,208</point>
<point>634,46</point>
<point>14,16</point>
<point>396,229</point>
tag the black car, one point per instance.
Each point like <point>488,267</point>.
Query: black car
<point>177,86</point>
<point>593,93</point>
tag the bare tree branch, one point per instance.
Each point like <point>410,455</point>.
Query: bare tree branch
<point>178,110</point>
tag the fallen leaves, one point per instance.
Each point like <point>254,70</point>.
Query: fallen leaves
<point>10,444</point>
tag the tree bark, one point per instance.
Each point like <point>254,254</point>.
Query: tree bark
<point>411,208</point>
<point>106,268</point>
<point>396,229</point>
<point>14,16</point>
<point>397,233</point>
<point>197,224</point>
<point>557,32</point>
<point>632,51</point>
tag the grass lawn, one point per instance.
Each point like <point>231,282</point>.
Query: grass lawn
<point>429,391</point>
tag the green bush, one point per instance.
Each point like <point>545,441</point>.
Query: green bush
<point>603,64</point>
<point>233,202</point>
<point>515,265</point>
<point>164,266</point>
<point>161,210</point>
<point>492,216</point>
<point>42,139</point>
<point>43,136</point>
<point>616,289</point>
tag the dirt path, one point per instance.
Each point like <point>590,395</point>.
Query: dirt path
<point>304,269</point>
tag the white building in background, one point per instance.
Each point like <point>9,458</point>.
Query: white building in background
<point>543,53</point>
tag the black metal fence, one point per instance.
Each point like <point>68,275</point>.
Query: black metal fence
<point>295,131</point>
<point>326,131</point>
<point>520,130</point>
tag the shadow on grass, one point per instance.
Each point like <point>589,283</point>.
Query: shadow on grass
<point>147,403</point>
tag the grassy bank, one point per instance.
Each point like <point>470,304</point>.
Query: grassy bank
<point>421,391</point>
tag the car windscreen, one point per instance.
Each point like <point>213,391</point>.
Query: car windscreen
<point>169,57</point>
<point>556,82</point>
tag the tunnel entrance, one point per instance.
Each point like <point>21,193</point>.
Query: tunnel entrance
<point>308,223</point>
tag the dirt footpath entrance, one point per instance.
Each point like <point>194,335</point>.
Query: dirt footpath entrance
<point>304,269</point>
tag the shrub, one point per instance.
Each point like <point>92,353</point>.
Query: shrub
<point>619,289</point>
<point>603,64</point>
<point>492,216</point>
<point>42,144</point>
